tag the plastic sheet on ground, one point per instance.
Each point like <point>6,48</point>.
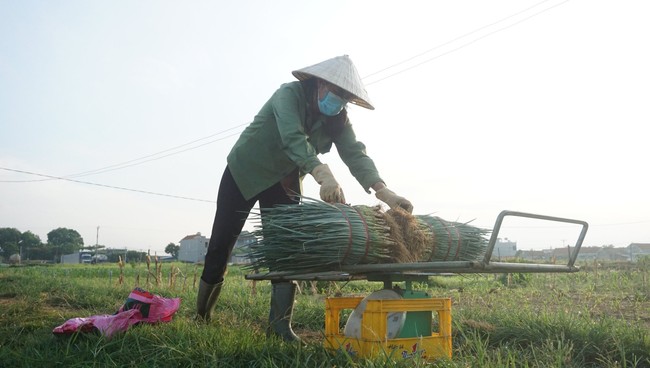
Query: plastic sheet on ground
<point>141,306</point>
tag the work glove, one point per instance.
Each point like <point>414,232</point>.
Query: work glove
<point>330,190</point>
<point>393,200</point>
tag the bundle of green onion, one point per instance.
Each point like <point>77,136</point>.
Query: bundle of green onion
<point>453,241</point>
<point>315,236</point>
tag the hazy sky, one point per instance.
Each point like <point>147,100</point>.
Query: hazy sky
<point>533,106</point>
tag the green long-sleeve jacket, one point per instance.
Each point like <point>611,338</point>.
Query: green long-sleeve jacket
<point>285,136</point>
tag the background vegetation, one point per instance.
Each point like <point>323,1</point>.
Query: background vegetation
<point>61,241</point>
<point>598,317</point>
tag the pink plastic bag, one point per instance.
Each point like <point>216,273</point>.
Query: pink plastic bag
<point>153,307</point>
<point>140,306</point>
<point>107,324</point>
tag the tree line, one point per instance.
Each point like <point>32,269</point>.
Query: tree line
<point>60,241</point>
<point>29,245</point>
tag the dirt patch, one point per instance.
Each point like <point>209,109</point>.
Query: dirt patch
<point>309,336</point>
<point>5,301</point>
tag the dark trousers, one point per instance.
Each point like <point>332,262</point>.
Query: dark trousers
<point>232,212</point>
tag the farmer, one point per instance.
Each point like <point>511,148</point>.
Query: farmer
<point>301,120</point>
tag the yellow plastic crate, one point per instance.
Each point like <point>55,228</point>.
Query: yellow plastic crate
<point>373,341</point>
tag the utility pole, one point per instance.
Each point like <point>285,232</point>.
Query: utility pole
<point>96,243</point>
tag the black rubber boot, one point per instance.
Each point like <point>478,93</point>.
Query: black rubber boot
<point>282,298</point>
<point>206,299</point>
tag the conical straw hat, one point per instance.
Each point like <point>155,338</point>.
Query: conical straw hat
<point>341,72</point>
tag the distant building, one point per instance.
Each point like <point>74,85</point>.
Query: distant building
<point>504,248</point>
<point>638,250</point>
<point>563,253</point>
<point>631,253</point>
<point>606,253</point>
<point>533,255</point>
<point>193,248</point>
<point>240,251</point>
<point>610,253</point>
<point>586,253</point>
<point>589,254</point>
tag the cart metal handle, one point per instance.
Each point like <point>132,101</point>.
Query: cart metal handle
<point>497,226</point>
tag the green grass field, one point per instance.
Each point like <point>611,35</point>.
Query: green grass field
<point>598,317</point>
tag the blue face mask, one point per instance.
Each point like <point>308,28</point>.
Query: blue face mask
<point>331,104</point>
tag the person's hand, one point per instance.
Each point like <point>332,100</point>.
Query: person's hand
<point>393,200</point>
<point>330,190</point>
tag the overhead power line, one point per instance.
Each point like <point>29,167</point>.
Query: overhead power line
<point>466,35</point>
<point>158,155</point>
<point>161,154</point>
<point>106,186</point>
<point>140,160</point>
